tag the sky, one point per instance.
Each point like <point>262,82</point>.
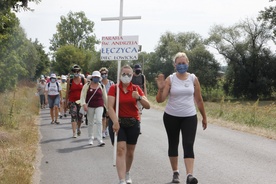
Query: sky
<point>157,17</point>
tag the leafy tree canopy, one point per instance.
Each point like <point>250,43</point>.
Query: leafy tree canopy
<point>76,30</point>
<point>251,71</point>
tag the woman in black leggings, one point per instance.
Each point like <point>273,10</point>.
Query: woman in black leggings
<point>180,114</point>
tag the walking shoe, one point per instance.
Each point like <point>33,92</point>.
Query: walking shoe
<point>60,116</point>
<point>90,141</point>
<point>103,134</point>
<point>79,132</point>
<point>74,135</point>
<point>122,182</point>
<point>65,115</point>
<point>101,143</point>
<point>56,122</point>
<point>52,122</point>
<point>128,179</point>
<point>191,179</point>
<point>176,177</point>
<point>106,132</point>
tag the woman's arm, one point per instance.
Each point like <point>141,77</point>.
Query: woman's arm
<point>163,88</point>
<point>112,113</point>
<point>200,104</point>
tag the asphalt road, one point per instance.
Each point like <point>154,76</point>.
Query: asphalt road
<point>223,156</point>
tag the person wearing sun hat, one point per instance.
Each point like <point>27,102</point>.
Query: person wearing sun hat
<point>53,96</point>
<point>93,100</point>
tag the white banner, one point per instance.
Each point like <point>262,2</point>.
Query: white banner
<point>119,48</point>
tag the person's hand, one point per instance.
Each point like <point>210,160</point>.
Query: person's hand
<point>135,94</point>
<point>160,81</point>
<point>116,127</point>
<point>204,124</point>
<point>85,107</point>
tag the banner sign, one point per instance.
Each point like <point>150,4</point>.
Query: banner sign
<point>119,48</point>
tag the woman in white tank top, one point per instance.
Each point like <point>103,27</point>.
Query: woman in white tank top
<point>183,92</point>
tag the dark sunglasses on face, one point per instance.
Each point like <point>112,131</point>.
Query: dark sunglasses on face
<point>76,71</point>
<point>103,73</point>
<point>128,74</point>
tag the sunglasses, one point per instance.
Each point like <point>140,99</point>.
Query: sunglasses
<point>128,74</point>
<point>103,73</point>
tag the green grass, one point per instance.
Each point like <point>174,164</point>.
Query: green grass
<point>255,117</point>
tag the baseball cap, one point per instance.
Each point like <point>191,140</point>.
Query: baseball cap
<point>137,67</point>
<point>63,77</point>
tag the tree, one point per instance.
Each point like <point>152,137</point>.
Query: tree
<point>251,64</point>
<point>68,55</point>
<point>268,17</point>
<point>76,30</point>
<point>43,65</point>
<point>202,62</point>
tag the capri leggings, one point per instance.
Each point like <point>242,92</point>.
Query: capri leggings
<point>187,126</point>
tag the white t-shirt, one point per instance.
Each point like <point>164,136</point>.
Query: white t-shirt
<point>53,89</point>
<point>181,98</point>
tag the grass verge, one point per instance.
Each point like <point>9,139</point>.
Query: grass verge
<point>18,135</point>
<point>253,117</point>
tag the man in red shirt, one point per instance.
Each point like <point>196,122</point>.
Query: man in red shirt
<point>73,93</point>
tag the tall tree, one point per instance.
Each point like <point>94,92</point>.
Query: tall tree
<point>268,17</point>
<point>202,62</point>
<point>43,66</point>
<point>251,71</point>
<point>68,55</point>
<point>75,29</point>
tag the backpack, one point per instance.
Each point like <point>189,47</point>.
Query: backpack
<point>56,84</point>
<point>142,80</point>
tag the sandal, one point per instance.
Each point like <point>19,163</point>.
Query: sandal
<point>56,122</point>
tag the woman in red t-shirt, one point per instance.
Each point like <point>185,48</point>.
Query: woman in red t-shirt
<point>73,93</point>
<point>127,125</point>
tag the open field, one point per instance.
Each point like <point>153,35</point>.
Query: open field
<point>253,117</point>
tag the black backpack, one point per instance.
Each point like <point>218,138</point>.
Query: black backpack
<point>56,84</point>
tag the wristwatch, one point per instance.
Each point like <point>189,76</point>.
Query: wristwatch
<point>139,98</point>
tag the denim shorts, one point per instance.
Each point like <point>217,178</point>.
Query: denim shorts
<point>53,101</point>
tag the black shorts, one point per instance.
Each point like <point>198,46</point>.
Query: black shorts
<point>129,135</point>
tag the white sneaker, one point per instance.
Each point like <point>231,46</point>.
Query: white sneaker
<point>122,182</point>
<point>101,143</point>
<point>75,135</point>
<point>128,179</point>
<point>90,141</point>
<point>106,132</point>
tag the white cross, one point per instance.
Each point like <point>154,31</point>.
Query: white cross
<point>121,18</point>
